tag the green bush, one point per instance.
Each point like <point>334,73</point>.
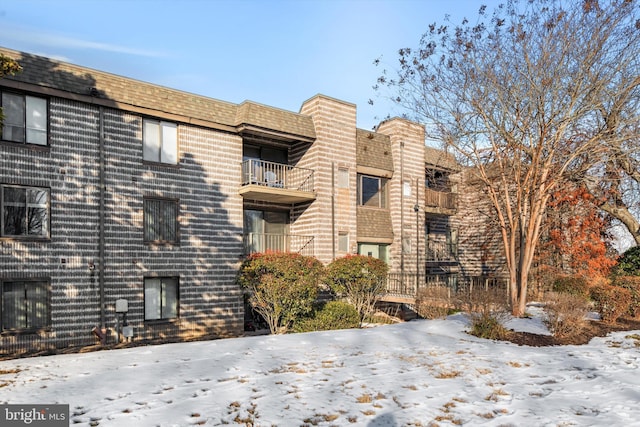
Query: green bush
<point>488,310</point>
<point>330,316</point>
<point>628,263</point>
<point>488,326</point>
<point>611,301</point>
<point>573,285</point>
<point>360,280</point>
<point>281,286</point>
<point>631,283</point>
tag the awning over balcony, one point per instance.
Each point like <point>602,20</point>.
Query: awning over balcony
<point>275,182</point>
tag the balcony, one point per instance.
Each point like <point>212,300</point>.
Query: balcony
<point>276,182</point>
<point>263,242</point>
<point>438,251</point>
<point>440,202</point>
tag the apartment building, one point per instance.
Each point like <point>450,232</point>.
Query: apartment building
<point>125,202</point>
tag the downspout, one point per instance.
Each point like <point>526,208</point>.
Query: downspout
<point>333,211</point>
<point>402,213</point>
<point>417,209</point>
<point>101,233</point>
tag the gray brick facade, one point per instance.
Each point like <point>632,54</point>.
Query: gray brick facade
<point>97,251</point>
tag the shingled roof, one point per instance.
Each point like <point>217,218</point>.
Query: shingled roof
<point>122,92</point>
<point>440,159</point>
<point>257,118</point>
<point>373,150</point>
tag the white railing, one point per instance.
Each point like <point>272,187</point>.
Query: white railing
<point>276,175</point>
<point>263,242</point>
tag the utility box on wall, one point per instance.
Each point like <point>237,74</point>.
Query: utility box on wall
<point>122,306</point>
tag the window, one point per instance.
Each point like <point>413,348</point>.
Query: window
<point>160,298</point>
<point>343,241</point>
<point>406,245</point>
<point>25,119</point>
<point>406,188</point>
<point>372,191</point>
<point>25,211</point>
<point>343,178</point>
<point>376,250</point>
<point>160,220</point>
<point>160,142</point>
<point>25,305</point>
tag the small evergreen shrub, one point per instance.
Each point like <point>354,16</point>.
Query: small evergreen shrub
<point>611,302</point>
<point>488,326</point>
<point>632,284</point>
<point>488,311</point>
<point>433,302</point>
<point>629,263</point>
<point>330,316</point>
<point>572,285</point>
<point>566,313</point>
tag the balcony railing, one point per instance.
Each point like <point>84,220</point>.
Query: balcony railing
<point>276,175</point>
<point>263,242</point>
<point>440,199</point>
<point>441,251</point>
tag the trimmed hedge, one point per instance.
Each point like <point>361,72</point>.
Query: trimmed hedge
<point>281,286</point>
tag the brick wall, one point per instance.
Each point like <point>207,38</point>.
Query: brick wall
<point>407,144</point>
<point>334,148</point>
<point>210,224</point>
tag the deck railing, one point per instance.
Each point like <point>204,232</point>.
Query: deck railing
<point>409,284</point>
<point>440,199</point>
<point>277,175</point>
<point>441,251</point>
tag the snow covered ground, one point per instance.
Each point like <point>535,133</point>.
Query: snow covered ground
<point>421,373</point>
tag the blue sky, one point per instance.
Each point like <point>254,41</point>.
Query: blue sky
<point>278,53</point>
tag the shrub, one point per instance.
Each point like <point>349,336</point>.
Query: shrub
<point>488,310</point>
<point>610,301</point>
<point>360,280</point>
<point>566,314</point>
<point>281,286</point>
<point>573,285</point>
<point>629,263</point>
<point>433,302</point>
<point>487,326</point>
<point>330,316</point>
<point>631,283</point>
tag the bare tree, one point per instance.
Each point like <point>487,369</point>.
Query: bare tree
<point>521,97</point>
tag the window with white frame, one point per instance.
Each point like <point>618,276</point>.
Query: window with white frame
<point>25,305</point>
<point>25,211</point>
<point>372,191</point>
<point>160,220</point>
<point>160,298</point>
<point>343,178</point>
<point>160,142</point>
<point>343,241</point>
<point>375,250</point>
<point>25,118</point>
